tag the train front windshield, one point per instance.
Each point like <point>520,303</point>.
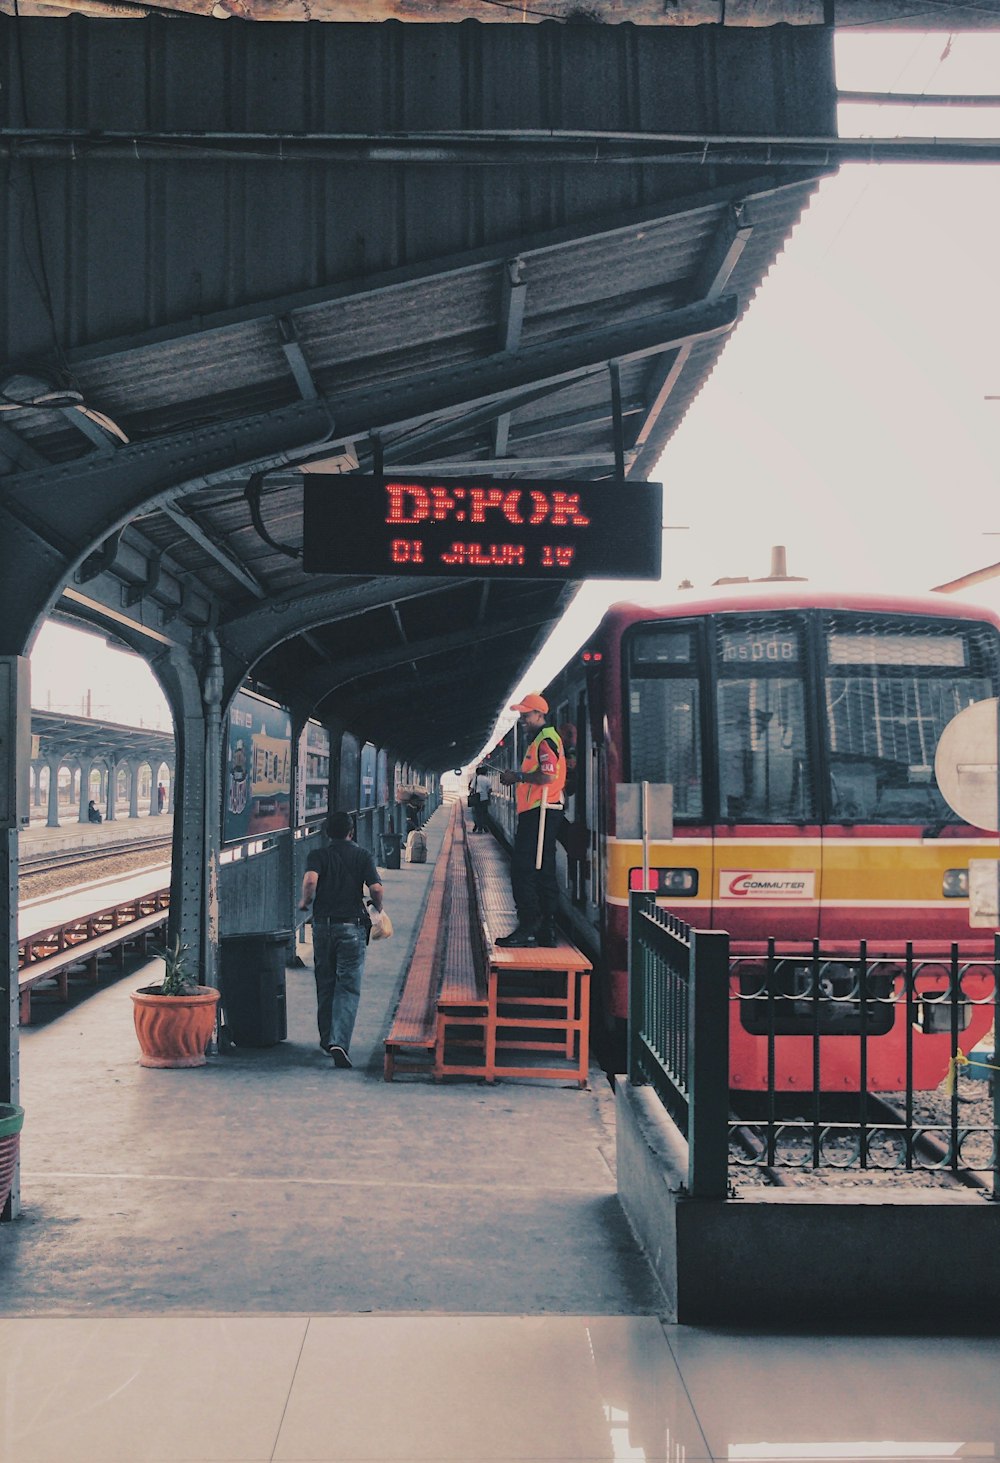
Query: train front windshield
<point>809,716</point>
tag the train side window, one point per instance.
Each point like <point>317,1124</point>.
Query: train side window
<point>663,714</point>
<point>765,773</point>
<point>891,687</point>
<point>665,739</point>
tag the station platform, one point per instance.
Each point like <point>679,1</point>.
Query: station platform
<point>270,1258</point>
<point>39,839</point>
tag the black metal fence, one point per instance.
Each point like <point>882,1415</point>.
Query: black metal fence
<point>678,1015</point>
<point>838,1061</point>
<point>864,1064</point>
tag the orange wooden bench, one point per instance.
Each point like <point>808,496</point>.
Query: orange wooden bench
<point>462,1004</point>
<point>537,1000</point>
<point>413,1034</point>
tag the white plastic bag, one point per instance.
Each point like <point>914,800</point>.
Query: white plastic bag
<point>381,924</point>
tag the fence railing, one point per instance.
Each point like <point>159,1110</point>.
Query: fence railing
<point>678,1041</point>
<point>861,1062</point>
<point>839,1061</point>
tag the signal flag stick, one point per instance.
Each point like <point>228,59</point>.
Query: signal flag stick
<point>541,828</point>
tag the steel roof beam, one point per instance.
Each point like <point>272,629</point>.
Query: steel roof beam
<point>250,635</point>
<point>713,274</point>
<point>96,435</point>
<point>186,523</point>
<point>509,147</point>
<point>548,365</point>
<point>513,298</point>
<point>511,466</point>
<point>60,512</point>
<point>18,452</point>
<point>360,666</point>
<point>295,356</point>
<point>551,243</point>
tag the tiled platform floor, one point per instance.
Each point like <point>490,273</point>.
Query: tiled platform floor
<point>483,1389</point>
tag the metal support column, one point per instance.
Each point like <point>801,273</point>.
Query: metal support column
<point>53,765</point>
<point>15,753</point>
<point>211,810</point>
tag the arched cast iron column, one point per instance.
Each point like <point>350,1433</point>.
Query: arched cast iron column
<point>192,688</point>
<point>15,754</point>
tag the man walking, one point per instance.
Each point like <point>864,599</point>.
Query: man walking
<point>333,885</point>
<point>540,785</point>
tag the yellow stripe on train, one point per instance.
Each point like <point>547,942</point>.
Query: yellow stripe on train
<point>835,871</point>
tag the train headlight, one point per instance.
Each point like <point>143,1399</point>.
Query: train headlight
<point>955,884</point>
<point>680,883</point>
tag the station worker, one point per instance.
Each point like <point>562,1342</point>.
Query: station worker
<point>540,788</point>
<point>333,884</point>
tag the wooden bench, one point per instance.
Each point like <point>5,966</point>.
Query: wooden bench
<point>413,1034</point>
<point>49,954</point>
<point>471,1009</point>
<point>462,1004</point>
<point>537,999</point>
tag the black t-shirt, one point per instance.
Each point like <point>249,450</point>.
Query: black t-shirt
<point>343,869</point>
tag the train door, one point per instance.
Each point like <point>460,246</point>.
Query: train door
<point>767,874</point>
<point>664,737</point>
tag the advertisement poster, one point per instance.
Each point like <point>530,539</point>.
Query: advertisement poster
<point>314,773</point>
<point>258,776</point>
<point>368,756</point>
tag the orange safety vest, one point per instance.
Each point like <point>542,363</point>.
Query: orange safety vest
<point>529,794</point>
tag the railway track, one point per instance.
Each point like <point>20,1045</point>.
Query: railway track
<point>47,861</point>
<point>932,1167</point>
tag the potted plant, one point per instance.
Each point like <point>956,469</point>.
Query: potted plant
<point>11,1119</point>
<point>174,1020</point>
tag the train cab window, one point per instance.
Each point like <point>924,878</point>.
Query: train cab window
<point>663,715</point>
<point>765,773</point>
<point>891,687</point>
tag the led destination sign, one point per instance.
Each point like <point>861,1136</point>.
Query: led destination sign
<point>531,529</point>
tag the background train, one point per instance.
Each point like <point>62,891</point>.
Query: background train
<point>791,743</point>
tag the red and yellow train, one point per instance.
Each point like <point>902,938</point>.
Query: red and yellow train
<point>782,763</point>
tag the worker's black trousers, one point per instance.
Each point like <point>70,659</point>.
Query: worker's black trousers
<point>535,890</point>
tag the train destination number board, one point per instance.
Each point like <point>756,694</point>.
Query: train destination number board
<point>508,528</point>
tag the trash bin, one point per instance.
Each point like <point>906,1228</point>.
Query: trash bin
<point>390,850</point>
<point>252,978</point>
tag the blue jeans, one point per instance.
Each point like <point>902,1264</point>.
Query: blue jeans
<point>339,962</point>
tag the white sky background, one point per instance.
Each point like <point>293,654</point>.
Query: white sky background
<point>68,666</point>
<point>846,418</point>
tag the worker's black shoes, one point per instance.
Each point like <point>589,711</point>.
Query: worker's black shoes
<point>519,939</point>
<point>546,935</point>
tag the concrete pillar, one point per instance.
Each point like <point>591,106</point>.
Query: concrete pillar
<point>133,788</point>
<point>111,797</point>
<point>53,765</point>
<point>15,751</point>
<point>84,791</point>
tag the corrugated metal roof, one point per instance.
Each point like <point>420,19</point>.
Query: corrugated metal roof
<point>175,296</point>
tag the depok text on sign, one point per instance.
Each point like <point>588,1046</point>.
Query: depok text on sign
<point>506,528</point>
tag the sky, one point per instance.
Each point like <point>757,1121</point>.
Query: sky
<point>848,416</point>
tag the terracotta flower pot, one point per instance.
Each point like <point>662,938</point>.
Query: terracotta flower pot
<point>11,1119</point>
<point>174,1031</point>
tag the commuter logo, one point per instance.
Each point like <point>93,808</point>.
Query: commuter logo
<point>766,884</point>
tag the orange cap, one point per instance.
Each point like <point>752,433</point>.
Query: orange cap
<point>532,703</point>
